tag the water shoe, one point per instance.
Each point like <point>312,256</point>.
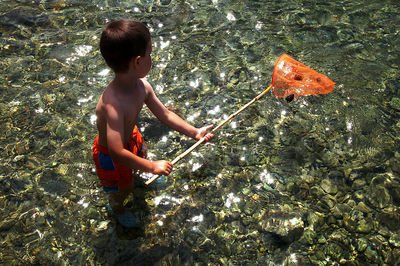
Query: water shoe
<point>126,219</point>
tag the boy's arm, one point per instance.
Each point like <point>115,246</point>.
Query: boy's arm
<point>171,119</point>
<point>115,129</point>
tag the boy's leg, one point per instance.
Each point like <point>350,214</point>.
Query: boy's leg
<point>124,217</point>
<point>117,199</point>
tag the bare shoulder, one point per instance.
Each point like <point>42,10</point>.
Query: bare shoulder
<point>148,89</point>
<point>108,101</point>
<point>145,83</point>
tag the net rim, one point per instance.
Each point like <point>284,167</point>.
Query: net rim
<point>273,73</point>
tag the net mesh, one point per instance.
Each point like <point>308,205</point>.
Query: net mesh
<point>291,77</point>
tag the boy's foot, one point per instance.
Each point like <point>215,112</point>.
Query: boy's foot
<point>126,219</point>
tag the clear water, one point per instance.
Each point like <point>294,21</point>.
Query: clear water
<point>316,181</point>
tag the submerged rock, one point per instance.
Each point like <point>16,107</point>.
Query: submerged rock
<point>380,197</point>
<point>328,186</point>
<point>309,236</point>
<point>390,220</point>
<point>395,103</point>
<point>25,16</point>
<point>286,227</point>
<point>371,254</point>
<point>53,183</point>
<point>361,206</point>
<point>364,226</point>
<point>333,250</point>
<point>361,244</point>
<point>315,219</point>
<point>395,164</point>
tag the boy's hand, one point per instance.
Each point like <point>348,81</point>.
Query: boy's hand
<point>203,131</point>
<point>162,167</point>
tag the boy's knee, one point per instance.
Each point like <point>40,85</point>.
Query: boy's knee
<point>127,190</point>
<point>116,201</point>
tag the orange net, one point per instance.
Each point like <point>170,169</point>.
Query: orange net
<point>293,79</point>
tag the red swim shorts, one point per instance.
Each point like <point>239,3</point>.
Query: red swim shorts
<point>114,176</point>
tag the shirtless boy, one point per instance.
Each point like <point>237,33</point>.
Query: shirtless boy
<point>126,47</point>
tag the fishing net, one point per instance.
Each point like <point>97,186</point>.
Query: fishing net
<point>290,77</point>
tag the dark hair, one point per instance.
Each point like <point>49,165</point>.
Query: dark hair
<point>121,41</point>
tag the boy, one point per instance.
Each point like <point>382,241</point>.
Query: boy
<point>119,147</point>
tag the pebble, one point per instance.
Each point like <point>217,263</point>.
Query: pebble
<point>328,186</point>
<point>395,240</point>
<point>361,206</point>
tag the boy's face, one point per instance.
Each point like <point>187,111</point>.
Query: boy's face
<point>145,61</point>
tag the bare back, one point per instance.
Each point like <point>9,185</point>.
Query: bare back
<point>126,104</point>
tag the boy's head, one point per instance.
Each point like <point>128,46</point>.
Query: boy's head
<point>121,41</point>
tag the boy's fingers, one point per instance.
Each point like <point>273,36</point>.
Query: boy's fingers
<point>169,170</point>
<point>169,167</point>
<point>208,136</point>
<point>209,127</point>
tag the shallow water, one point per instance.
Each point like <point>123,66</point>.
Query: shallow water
<point>316,181</point>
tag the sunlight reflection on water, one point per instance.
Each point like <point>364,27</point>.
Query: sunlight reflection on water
<point>231,199</point>
<point>265,176</point>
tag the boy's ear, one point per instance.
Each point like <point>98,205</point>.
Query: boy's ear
<point>136,61</point>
